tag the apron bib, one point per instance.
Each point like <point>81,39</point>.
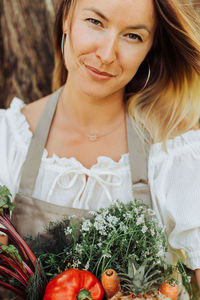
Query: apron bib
<point>31,215</point>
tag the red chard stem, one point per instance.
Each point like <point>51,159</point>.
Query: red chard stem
<point>13,289</point>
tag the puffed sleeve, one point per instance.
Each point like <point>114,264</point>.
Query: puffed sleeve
<point>14,140</point>
<point>175,186</point>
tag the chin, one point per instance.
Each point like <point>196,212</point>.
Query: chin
<point>96,94</point>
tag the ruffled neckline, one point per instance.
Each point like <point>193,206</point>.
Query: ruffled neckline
<point>23,134</point>
<point>102,161</point>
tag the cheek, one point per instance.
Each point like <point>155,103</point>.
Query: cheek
<point>130,66</point>
<point>84,41</point>
<point>74,48</point>
<point>133,59</point>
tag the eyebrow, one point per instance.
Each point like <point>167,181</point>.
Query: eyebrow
<point>97,12</point>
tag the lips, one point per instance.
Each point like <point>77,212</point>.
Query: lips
<point>99,72</point>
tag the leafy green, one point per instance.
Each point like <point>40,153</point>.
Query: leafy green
<point>13,252</point>
<point>37,284</point>
<point>144,278</point>
<point>18,264</point>
<point>5,200</point>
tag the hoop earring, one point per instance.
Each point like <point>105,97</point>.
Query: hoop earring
<point>148,77</point>
<point>63,42</point>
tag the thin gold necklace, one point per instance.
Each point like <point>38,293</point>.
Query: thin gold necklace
<point>94,136</point>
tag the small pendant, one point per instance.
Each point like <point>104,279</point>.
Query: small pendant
<point>92,138</point>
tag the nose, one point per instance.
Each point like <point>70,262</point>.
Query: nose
<point>107,50</point>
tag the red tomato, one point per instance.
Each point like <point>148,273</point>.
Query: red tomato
<point>74,284</point>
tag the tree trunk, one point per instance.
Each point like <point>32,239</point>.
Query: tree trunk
<point>26,49</point>
<point>26,54</point>
<point>196,4</point>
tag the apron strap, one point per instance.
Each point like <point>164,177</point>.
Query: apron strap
<point>33,159</point>
<point>138,155</point>
<point>137,152</point>
<point>138,159</point>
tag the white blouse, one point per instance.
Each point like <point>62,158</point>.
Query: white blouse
<point>174,179</point>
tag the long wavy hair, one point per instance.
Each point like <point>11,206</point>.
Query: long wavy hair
<point>169,105</point>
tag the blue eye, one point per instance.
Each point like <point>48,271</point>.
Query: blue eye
<point>133,36</point>
<point>94,21</point>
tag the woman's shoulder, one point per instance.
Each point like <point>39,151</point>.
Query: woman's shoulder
<point>11,118</point>
<point>17,123</point>
<point>33,111</point>
<point>187,143</point>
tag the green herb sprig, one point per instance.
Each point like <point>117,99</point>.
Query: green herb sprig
<point>5,200</point>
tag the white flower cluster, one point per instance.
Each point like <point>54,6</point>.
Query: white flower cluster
<point>86,225</point>
<point>87,265</point>
<point>140,220</point>
<point>103,222</point>
<point>79,248</point>
<point>152,232</point>
<point>161,250</point>
<point>144,229</point>
<point>100,224</point>
<point>115,234</point>
<point>76,264</point>
<point>68,230</point>
<point>123,227</point>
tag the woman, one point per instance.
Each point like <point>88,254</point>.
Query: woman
<point>112,56</point>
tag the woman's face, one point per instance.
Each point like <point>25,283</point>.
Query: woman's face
<point>109,41</point>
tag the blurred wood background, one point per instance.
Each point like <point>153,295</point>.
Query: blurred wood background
<point>26,48</point>
<point>26,55</point>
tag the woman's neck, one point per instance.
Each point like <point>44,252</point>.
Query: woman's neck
<point>89,112</point>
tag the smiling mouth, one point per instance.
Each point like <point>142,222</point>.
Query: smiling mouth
<point>99,72</point>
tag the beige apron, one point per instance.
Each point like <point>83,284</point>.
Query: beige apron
<point>30,215</point>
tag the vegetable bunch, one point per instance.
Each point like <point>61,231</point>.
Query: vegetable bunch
<point>111,238</point>
<point>18,264</point>
<point>118,237</point>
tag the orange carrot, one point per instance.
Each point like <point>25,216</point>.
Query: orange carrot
<point>110,283</point>
<point>169,290</point>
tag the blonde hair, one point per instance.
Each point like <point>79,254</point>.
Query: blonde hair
<point>169,105</point>
<point>64,12</point>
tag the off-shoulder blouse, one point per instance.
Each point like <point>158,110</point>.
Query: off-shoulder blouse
<point>174,179</point>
